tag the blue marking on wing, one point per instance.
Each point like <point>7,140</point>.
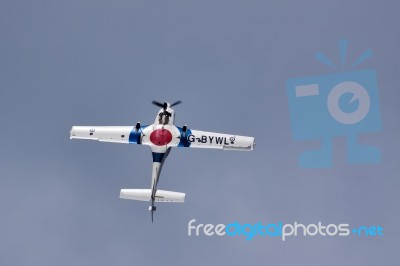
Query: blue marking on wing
<point>184,142</point>
<point>135,136</point>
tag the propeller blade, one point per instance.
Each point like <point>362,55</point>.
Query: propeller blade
<point>158,104</point>
<point>176,103</point>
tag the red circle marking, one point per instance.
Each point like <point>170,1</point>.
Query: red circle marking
<point>160,137</point>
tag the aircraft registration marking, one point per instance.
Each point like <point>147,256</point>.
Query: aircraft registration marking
<point>211,139</point>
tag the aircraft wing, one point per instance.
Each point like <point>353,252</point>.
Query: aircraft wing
<point>118,134</point>
<point>211,140</point>
<point>190,138</point>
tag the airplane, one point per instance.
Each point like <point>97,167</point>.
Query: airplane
<point>161,136</point>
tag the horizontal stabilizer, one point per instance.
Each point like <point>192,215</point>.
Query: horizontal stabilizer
<point>145,195</point>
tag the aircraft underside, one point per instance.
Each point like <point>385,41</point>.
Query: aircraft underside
<point>161,137</point>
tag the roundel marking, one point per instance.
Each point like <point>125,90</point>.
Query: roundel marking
<point>160,137</point>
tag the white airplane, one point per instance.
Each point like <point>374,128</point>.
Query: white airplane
<point>161,137</point>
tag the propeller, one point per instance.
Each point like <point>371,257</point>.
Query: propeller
<point>162,105</point>
<point>165,104</point>
<point>176,103</point>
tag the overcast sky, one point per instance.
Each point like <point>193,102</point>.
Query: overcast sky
<point>65,63</point>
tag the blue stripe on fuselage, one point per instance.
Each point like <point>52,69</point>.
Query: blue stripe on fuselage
<point>183,137</point>
<point>157,157</point>
<point>135,136</point>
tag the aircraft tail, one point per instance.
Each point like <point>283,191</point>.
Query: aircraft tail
<point>145,195</point>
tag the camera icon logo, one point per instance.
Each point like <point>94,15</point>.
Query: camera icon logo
<point>339,104</point>
<point>358,92</point>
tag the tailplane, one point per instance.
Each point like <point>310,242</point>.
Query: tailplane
<point>145,195</point>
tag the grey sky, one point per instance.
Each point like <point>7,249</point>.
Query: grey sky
<point>65,63</point>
